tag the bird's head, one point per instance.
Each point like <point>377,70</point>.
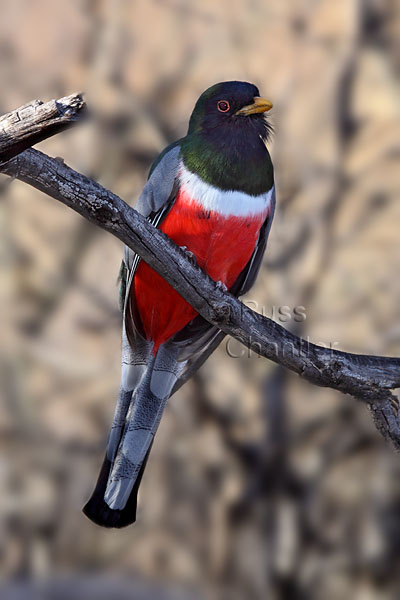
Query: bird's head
<point>231,105</point>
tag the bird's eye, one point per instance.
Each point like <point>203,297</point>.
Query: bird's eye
<point>223,106</point>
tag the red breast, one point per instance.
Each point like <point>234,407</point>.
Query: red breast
<point>222,246</point>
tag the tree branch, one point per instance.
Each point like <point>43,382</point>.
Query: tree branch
<point>367,378</point>
<point>34,122</point>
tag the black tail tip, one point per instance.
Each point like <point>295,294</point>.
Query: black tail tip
<point>98,511</point>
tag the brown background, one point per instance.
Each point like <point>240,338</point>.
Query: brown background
<point>259,485</point>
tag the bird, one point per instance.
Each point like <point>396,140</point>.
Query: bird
<point>212,192</point>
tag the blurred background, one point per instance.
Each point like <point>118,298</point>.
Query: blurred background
<point>259,486</point>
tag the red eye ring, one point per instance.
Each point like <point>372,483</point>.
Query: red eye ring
<point>223,106</point>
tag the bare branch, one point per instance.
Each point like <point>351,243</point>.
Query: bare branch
<point>367,378</point>
<point>34,122</point>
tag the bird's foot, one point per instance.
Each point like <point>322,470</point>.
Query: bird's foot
<point>221,286</point>
<point>189,254</point>
<point>394,402</point>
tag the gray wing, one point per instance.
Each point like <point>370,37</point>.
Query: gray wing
<point>154,203</point>
<point>155,199</point>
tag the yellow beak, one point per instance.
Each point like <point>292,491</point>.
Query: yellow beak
<point>260,105</point>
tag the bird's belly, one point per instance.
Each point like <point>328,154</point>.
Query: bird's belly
<point>222,246</point>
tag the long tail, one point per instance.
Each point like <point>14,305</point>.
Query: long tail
<point>137,416</point>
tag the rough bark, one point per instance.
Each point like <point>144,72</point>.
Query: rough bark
<point>36,121</point>
<point>367,378</point>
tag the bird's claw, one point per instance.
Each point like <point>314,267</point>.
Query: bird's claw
<point>189,254</point>
<point>221,286</point>
<point>394,402</point>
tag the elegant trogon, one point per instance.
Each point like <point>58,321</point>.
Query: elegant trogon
<point>211,192</point>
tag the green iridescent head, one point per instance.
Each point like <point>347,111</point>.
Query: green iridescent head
<point>225,141</point>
